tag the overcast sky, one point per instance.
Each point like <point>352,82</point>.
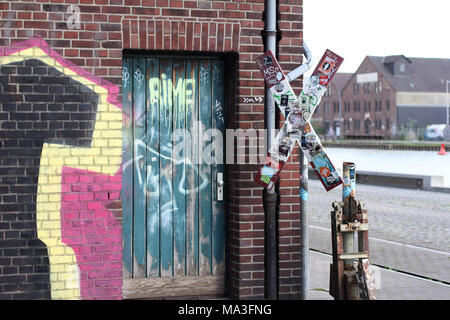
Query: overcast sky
<point>357,28</point>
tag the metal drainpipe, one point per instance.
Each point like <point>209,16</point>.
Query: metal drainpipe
<point>270,196</point>
<point>304,234</point>
<point>304,294</point>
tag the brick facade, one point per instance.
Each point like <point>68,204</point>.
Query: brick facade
<point>373,100</point>
<point>60,156</point>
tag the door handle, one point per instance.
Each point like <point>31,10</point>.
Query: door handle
<point>220,184</point>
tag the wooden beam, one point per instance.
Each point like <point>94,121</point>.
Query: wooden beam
<point>172,287</point>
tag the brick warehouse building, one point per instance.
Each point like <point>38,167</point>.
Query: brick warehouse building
<point>89,207</point>
<point>386,94</point>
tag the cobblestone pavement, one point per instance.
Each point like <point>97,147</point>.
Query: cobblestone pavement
<point>389,285</point>
<point>409,229</point>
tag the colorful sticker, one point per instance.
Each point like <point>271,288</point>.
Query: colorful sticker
<point>304,194</point>
<point>326,66</point>
<point>297,112</point>
<point>325,171</point>
<point>323,80</point>
<point>348,180</point>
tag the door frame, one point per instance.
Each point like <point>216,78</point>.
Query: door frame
<point>191,286</point>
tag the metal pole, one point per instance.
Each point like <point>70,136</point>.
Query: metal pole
<point>304,294</point>
<point>348,193</point>
<point>270,196</point>
<point>448,81</point>
<point>340,115</point>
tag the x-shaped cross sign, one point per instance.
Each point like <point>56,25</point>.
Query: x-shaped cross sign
<point>297,112</point>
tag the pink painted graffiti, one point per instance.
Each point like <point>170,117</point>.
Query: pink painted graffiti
<point>88,204</point>
<point>92,230</point>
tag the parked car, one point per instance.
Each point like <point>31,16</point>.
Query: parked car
<point>435,132</point>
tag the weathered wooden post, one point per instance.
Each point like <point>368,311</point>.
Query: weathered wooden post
<point>349,272</point>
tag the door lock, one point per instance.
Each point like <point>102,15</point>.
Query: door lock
<point>220,184</point>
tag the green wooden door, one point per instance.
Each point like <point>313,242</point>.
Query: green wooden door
<point>173,223</point>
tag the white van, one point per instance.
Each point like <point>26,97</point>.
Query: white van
<point>435,132</point>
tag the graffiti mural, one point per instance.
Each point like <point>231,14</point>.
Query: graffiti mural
<point>61,156</point>
<point>172,142</point>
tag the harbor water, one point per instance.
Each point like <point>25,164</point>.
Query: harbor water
<point>425,163</point>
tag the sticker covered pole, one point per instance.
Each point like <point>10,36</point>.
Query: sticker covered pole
<point>348,193</point>
<point>350,277</point>
<point>270,195</point>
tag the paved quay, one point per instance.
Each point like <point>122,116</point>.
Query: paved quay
<point>409,231</point>
<point>389,285</point>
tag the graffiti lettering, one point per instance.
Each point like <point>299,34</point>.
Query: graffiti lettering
<point>165,92</point>
<point>139,77</point>
<point>252,99</point>
<point>219,111</point>
<point>125,76</point>
<point>203,75</point>
<point>74,21</point>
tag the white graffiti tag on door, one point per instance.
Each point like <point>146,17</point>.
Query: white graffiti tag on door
<point>182,163</point>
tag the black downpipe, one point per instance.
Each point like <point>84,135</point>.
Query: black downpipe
<point>270,197</point>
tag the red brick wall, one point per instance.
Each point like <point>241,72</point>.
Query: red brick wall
<point>387,93</point>
<point>109,26</point>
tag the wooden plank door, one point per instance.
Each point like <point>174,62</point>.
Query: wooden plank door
<point>173,222</point>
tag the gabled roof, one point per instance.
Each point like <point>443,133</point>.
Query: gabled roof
<point>340,80</point>
<point>427,74</point>
<point>392,59</point>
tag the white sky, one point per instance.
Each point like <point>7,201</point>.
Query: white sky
<point>357,28</point>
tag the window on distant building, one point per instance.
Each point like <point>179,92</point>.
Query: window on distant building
<point>377,86</point>
<point>336,107</point>
<point>346,124</point>
<point>347,106</point>
<point>402,67</point>
<point>378,105</point>
<point>366,87</point>
<point>388,105</point>
<point>378,124</point>
<point>356,88</point>
<point>388,124</point>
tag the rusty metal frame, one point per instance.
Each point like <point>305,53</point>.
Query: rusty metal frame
<point>351,280</point>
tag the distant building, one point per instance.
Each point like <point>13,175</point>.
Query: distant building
<point>385,94</point>
<point>329,112</point>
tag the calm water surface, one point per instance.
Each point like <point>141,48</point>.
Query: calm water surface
<point>394,161</point>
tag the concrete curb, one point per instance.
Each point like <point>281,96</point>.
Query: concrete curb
<point>394,180</point>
